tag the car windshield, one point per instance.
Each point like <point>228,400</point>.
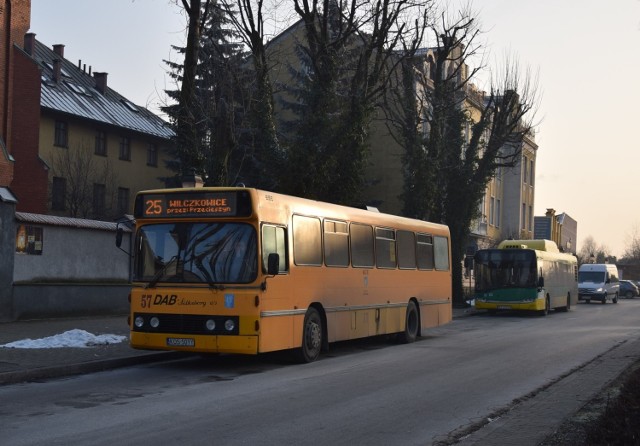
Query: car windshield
<point>499,268</point>
<point>196,253</point>
<point>591,276</point>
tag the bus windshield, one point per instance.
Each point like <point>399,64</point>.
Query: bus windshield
<point>504,268</point>
<point>196,253</point>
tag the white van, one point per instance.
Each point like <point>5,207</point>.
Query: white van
<point>598,281</point>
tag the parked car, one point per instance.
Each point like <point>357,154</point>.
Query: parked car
<point>628,289</point>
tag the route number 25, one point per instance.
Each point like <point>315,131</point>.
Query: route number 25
<point>154,207</point>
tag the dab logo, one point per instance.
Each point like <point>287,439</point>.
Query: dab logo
<point>167,299</point>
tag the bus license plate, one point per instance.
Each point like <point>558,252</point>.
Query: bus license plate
<point>181,342</point>
<point>504,307</point>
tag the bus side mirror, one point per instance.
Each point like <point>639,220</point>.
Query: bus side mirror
<point>273,264</point>
<point>540,282</point>
<point>119,233</point>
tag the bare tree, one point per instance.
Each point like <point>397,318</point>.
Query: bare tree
<point>347,55</point>
<point>632,251</point>
<point>447,169</point>
<point>593,252</point>
<point>89,183</point>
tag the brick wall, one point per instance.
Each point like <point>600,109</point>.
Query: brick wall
<point>15,20</point>
<point>30,182</point>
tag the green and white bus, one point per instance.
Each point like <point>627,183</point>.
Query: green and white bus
<point>531,275</point>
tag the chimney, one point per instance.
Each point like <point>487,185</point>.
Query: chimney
<point>29,43</point>
<point>101,81</point>
<point>59,50</point>
<point>57,69</point>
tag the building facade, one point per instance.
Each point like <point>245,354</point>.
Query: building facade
<point>507,208</point>
<point>70,145</point>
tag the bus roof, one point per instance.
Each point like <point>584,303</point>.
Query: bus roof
<point>274,201</point>
<point>538,245</point>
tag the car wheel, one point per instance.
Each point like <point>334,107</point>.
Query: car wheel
<point>615,298</point>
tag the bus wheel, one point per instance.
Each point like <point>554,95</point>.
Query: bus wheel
<point>547,307</point>
<point>615,298</point>
<point>411,326</point>
<point>311,337</point>
<point>568,306</point>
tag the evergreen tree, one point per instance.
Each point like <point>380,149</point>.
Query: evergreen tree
<point>216,111</point>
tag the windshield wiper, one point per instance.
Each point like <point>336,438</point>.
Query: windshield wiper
<point>160,273</point>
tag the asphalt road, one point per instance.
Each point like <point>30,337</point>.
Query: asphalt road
<point>478,380</point>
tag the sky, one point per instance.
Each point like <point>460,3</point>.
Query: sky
<point>585,55</point>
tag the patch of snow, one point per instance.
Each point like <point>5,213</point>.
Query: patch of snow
<point>71,338</point>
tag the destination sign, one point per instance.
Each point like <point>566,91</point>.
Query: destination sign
<point>202,204</point>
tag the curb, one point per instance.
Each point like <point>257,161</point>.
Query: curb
<point>59,371</point>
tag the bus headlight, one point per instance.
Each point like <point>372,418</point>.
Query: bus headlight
<point>154,322</point>
<point>210,324</point>
<point>139,321</point>
<point>229,325</point>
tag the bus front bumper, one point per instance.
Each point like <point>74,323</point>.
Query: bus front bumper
<point>536,305</point>
<point>247,345</point>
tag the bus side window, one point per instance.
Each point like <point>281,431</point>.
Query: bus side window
<point>336,243</point>
<point>307,241</point>
<point>361,245</point>
<point>274,241</point>
<point>441,251</point>
<point>424,250</point>
<point>385,248</point>
<point>406,249</point>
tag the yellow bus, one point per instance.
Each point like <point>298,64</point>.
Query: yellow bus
<point>525,275</point>
<point>241,270</point>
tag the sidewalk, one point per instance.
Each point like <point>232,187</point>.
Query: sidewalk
<point>19,364</point>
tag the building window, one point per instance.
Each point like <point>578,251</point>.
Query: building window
<point>497,213</point>
<point>123,200</point>
<point>530,218</point>
<point>524,167</point>
<point>101,143</point>
<point>531,176</point>
<point>492,207</point>
<point>58,192</point>
<point>61,135</point>
<point>152,155</point>
<point>99,195</point>
<point>524,216</point>
<point>125,148</point>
